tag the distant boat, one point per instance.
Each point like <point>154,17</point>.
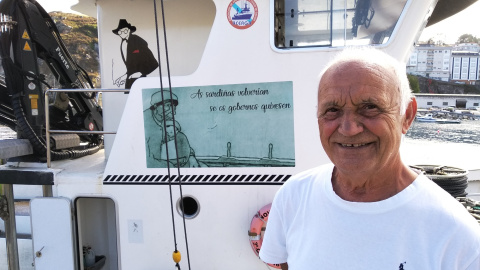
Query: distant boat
<point>428,118</point>
<point>448,121</point>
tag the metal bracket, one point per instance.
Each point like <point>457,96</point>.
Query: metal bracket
<point>6,23</point>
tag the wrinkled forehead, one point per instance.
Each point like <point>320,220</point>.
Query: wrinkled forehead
<point>357,82</point>
<point>346,68</point>
<point>348,73</point>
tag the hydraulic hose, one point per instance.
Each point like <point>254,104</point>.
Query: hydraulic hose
<point>38,143</point>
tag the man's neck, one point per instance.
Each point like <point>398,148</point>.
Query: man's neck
<point>365,187</point>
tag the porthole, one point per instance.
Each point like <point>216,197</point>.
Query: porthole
<point>191,207</point>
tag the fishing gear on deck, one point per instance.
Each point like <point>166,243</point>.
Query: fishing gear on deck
<point>472,206</point>
<point>451,179</point>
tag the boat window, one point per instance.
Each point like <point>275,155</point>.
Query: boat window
<point>332,23</point>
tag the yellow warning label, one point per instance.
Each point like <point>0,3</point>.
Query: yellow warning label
<point>25,34</point>
<point>27,47</point>
<point>33,101</point>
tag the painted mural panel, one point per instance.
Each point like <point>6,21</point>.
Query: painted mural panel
<point>236,125</point>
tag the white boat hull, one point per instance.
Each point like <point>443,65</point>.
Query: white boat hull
<point>122,203</point>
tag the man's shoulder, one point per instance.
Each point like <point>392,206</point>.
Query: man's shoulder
<point>136,38</point>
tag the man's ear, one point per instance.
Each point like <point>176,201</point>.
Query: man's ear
<point>409,116</point>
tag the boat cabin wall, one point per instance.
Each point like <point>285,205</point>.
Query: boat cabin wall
<point>187,36</point>
<point>245,121</point>
<point>205,48</point>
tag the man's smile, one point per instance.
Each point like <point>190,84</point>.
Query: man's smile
<point>353,145</point>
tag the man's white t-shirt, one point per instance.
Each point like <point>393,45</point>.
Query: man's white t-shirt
<point>422,227</point>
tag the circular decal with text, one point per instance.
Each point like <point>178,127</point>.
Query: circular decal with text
<point>242,13</point>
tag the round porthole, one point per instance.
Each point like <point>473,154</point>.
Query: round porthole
<point>191,207</point>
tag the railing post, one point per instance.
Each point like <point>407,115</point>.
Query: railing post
<point>47,120</point>
<point>11,230</point>
<point>47,128</point>
<point>47,191</point>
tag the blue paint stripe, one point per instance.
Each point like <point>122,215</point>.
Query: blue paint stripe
<point>237,8</point>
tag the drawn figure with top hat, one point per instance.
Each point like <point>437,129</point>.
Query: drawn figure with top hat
<point>136,55</point>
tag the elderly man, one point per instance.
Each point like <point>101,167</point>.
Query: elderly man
<point>367,210</point>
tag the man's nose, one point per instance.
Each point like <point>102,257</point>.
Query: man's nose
<point>350,124</point>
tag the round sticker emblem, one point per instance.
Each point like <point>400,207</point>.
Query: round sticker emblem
<point>90,126</point>
<point>242,13</point>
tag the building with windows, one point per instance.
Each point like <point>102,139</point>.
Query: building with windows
<point>465,67</point>
<point>459,63</point>
<point>467,47</point>
<point>428,101</point>
<point>430,61</point>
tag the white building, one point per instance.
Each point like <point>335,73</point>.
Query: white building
<point>465,67</point>
<point>427,101</point>
<point>459,63</point>
<point>468,47</point>
<point>430,61</point>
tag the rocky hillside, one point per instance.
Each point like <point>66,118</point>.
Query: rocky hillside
<point>430,86</point>
<point>80,35</point>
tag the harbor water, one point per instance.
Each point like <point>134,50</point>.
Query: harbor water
<point>455,145</point>
<point>468,132</point>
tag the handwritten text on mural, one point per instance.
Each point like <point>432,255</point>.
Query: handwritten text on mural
<point>230,108</point>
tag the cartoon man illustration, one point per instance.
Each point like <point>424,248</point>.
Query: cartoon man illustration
<point>163,106</point>
<point>183,153</point>
<point>163,110</point>
<point>136,55</point>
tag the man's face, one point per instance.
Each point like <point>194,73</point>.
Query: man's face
<point>124,32</point>
<point>169,111</point>
<point>358,117</point>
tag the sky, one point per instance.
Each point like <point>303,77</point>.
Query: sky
<point>465,22</point>
<point>58,5</point>
<point>448,30</point>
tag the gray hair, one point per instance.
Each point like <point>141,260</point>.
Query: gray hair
<point>376,57</point>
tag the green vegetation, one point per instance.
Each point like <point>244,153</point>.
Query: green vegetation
<point>80,35</point>
<point>414,85</point>
<point>468,38</point>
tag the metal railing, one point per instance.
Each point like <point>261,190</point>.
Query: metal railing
<point>47,117</point>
